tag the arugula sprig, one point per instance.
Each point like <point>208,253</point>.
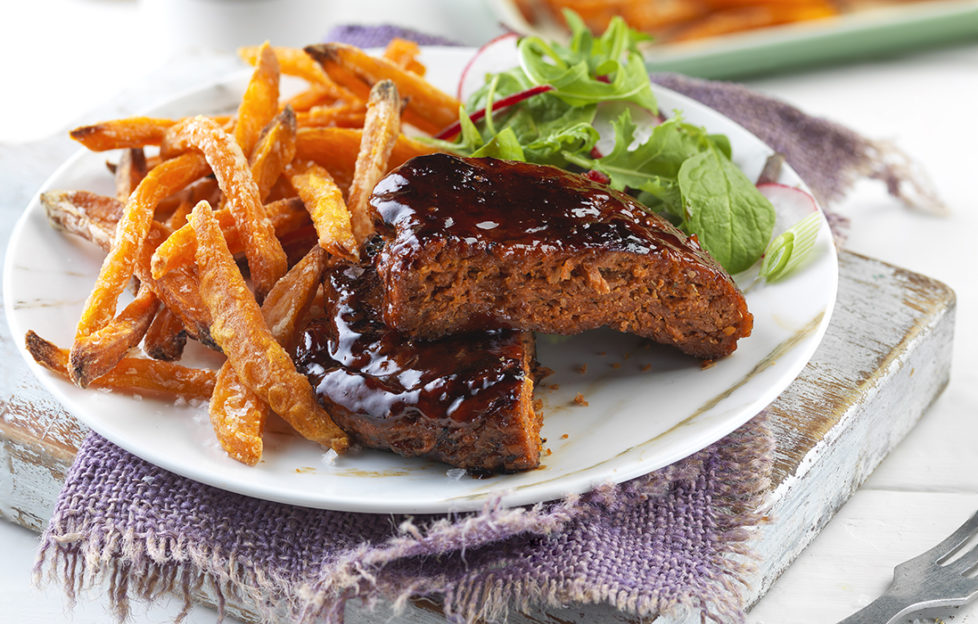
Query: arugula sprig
<point>679,170</point>
<point>590,70</point>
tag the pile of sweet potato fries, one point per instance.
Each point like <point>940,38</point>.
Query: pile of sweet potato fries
<point>282,183</point>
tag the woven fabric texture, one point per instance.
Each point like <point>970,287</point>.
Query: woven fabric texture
<point>670,541</point>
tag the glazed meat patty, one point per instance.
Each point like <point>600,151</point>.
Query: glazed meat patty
<point>480,243</point>
<point>466,400</point>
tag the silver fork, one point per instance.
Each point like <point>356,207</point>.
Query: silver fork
<point>928,581</point>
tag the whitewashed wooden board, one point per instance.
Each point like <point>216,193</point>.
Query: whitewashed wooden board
<point>883,360</point>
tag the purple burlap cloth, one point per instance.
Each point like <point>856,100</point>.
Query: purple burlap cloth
<point>670,542</point>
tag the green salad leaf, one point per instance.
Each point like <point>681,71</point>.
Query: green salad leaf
<point>675,168</point>
<point>730,217</point>
<point>504,145</point>
<point>590,70</point>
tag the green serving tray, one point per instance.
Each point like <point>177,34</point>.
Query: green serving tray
<point>870,32</point>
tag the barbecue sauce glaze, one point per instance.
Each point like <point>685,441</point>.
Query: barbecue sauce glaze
<point>516,208</point>
<point>434,398</point>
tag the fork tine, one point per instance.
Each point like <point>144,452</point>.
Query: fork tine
<point>952,542</point>
<point>966,562</point>
<point>923,582</point>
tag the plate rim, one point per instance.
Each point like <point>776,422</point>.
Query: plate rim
<point>500,496</point>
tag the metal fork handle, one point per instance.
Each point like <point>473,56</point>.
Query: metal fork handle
<point>883,610</point>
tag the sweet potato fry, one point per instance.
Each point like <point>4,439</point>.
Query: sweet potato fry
<point>238,417</point>
<point>131,232</point>
<point>324,201</point>
<point>428,108</point>
<point>94,218</point>
<point>237,414</point>
<point>274,150</point>
<point>341,115</point>
<point>315,95</point>
<point>96,354</point>
<point>122,133</point>
<point>336,149</point>
<point>343,76</point>
<point>179,291</point>
<point>260,102</point>
<point>281,190</point>
<point>266,258</point>
<point>292,296</point>
<point>286,215</point>
<point>148,378</point>
<point>380,132</point>
<point>295,62</point>
<point>258,359</point>
<point>404,54</point>
<point>658,16</point>
<point>739,18</point>
<point>88,215</point>
<point>678,20</point>
<point>165,338</point>
<point>129,172</point>
<point>178,218</point>
<point>178,206</point>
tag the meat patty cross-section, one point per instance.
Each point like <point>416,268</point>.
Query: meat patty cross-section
<point>466,400</point>
<point>480,243</point>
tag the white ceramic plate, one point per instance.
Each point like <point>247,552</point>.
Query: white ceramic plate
<point>646,407</point>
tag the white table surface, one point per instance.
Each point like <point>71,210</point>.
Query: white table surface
<point>61,58</point>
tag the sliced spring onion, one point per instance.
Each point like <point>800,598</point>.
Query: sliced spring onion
<point>787,251</point>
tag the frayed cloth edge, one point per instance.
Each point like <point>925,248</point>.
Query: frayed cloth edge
<point>487,599</point>
<point>83,557</point>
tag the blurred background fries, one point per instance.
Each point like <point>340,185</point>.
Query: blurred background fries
<point>681,20</point>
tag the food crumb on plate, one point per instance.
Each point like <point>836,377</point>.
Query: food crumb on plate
<point>579,400</point>
<point>329,457</point>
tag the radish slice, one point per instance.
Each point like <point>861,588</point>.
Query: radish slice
<point>788,200</point>
<point>791,205</point>
<point>597,176</point>
<point>497,55</point>
<point>452,131</point>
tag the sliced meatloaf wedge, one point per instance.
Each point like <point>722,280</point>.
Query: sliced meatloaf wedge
<point>477,243</point>
<point>466,400</point>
